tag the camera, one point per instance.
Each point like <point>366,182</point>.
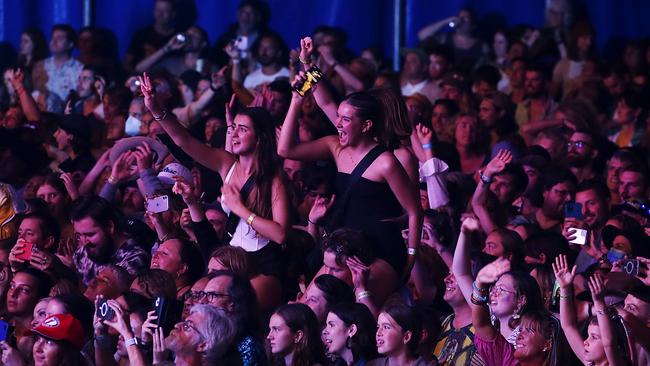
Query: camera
<point>104,311</point>
<point>313,76</point>
<point>630,266</point>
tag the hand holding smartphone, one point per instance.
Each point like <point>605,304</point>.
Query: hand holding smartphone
<point>27,249</point>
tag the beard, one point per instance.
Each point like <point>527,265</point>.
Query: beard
<point>577,161</point>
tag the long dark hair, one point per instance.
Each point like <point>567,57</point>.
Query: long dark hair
<point>309,350</point>
<point>39,51</point>
<point>266,165</point>
<point>396,122</point>
<point>526,286</point>
<point>363,342</point>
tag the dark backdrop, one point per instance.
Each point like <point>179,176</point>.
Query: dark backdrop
<point>368,22</point>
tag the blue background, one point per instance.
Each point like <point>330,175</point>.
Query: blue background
<point>368,22</point>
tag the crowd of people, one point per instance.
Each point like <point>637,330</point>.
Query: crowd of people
<point>250,203</point>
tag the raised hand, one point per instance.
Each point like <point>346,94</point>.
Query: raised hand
<point>70,186</point>
<point>149,93</point>
<point>174,44</point>
<point>306,50</point>
<point>360,273</point>
<point>320,208</point>
<point>143,157</point>
<point>120,321</point>
<point>498,163</point>
<point>424,133</point>
<point>159,351</point>
<point>149,327</point>
<point>563,275</point>
<point>470,224</point>
<point>121,167</point>
<point>491,272</point>
<point>16,78</point>
<point>597,289</point>
<point>230,111</point>
<point>10,355</point>
<point>186,190</point>
<point>218,79</point>
<point>231,197</point>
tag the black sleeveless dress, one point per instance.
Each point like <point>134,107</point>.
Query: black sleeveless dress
<point>368,204</point>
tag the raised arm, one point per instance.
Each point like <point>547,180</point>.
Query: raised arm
<point>288,149</point>
<point>568,315</point>
<point>189,114</point>
<point>434,28</point>
<point>479,199</point>
<point>349,79</point>
<point>432,168</point>
<point>322,95</point>
<point>597,288</point>
<point>461,265</point>
<point>480,312</point>
<point>27,103</point>
<point>216,159</point>
<point>172,45</point>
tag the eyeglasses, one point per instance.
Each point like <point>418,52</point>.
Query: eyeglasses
<point>212,296</point>
<point>187,326</point>
<point>577,144</point>
<point>193,295</point>
<point>496,291</point>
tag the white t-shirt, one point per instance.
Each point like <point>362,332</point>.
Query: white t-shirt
<point>257,77</point>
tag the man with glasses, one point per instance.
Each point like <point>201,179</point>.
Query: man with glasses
<point>203,338</point>
<point>581,155</point>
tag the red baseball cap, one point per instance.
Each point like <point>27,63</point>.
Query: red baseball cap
<point>61,327</point>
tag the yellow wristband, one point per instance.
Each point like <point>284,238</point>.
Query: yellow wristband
<point>250,219</point>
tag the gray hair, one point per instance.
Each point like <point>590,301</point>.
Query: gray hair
<point>217,329</point>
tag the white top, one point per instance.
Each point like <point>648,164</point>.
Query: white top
<point>257,77</point>
<point>245,236</point>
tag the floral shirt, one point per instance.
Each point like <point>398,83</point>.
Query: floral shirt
<point>129,256</point>
<point>62,79</point>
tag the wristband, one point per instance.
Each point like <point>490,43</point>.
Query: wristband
<point>479,290</point>
<point>158,118</point>
<point>112,180</point>
<point>302,61</point>
<point>131,342</point>
<point>362,295</point>
<point>311,222</point>
<point>250,219</point>
<point>235,61</point>
<point>427,146</point>
<point>411,251</point>
<point>478,300</point>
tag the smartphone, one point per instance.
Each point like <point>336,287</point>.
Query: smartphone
<point>573,210</point>
<point>168,311</point>
<point>26,255</point>
<point>5,330</point>
<point>580,234</point>
<point>180,37</point>
<point>104,311</point>
<point>241,43</point>
<point>158,204</point>
<point>630,266</point>
<point>555,300</point>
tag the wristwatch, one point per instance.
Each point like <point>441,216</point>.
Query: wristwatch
<point>131,342</point>
<point>485,179</point>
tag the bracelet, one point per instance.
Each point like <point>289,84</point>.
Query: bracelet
<point>311,222</point>
<point>362,295</point>
<point>235,61</point>
<point>476,300</point>
<point>158,118</point>
<point>112,180</point>
<point>427,146</point>
<point>565,297</point>
<point>302,60</point>
<point>411,251</point>
<point>485,179</point>
<point>250,219</point>
<point>479,290</point>
<point>164,238</point>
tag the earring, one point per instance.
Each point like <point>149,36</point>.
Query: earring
<point>348,342</point>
